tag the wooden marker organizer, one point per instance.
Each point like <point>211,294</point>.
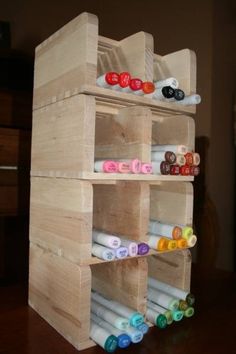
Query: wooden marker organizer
<point>76,122</point>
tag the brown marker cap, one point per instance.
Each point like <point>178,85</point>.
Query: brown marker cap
<point>165,168</point>
<point>170,157</point>
<point>175,170</point>
<point>176,233</point>
<point>194,170</point>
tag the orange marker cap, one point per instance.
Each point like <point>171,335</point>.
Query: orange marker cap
<point>162,244</point>
<point>148,87</point>
<point>182,243</point>
<point>176,233</point>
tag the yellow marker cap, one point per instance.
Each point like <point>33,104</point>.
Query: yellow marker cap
<point>162,244</point>
<point>172,244</point>
<point>177,232</point>
<point>182,243</point>
<point>187,231</point>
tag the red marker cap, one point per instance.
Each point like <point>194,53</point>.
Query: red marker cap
<point>112,78</point>
<point>135,84</point>
<point>174,170</point>
<point>189,158</point>
<point>148,87</point>
<point>194,170</point>
<point>185,170</point>
<point>124,79</point>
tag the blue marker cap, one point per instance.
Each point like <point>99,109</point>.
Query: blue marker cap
<point>143,327</point>
<point>123,340</point>
<point>177,315</point>
<point>136,319</point>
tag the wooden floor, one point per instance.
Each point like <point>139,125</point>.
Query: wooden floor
<point>211,330</point>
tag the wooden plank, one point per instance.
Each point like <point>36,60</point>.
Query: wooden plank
<point>172,202</point>
<point>63,137</point>
<point>122,209</point>
<point>124,281</point>
<point>66,60</point>
<point>60,292</point>
<point>173,268</point>
<point>61,217</point>
<point>126,135</point>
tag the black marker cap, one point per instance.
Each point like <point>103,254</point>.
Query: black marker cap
<point>168,91</point>
<point>179,95</point>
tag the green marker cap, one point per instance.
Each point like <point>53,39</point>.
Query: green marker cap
<point>183,305</point>
<point>189,312</point>
<point>187,231</point>
<point>136,319</point>
<point>177,315</point>
<point>111,344</point>
<point>161,321</point>
<point>173,305</point>
<point>190,298</point>
<point>169,317</point>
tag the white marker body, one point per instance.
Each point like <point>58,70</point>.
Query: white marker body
<point>156,307</point>
<point>160,229</point>
<point>105,239</point>
<point>102,252</point>
<point>156,95</point>
<point>121,252</point>
<point>189,100</point>
<point>158,156</point>
<point>169,289</point>
<point>98,334</point>
<point>156,169</point>
<point>153,241</point>
<point>160,298</point>
<point>101,81</point>
<point>115,306</point>
<point>109,316</point>
<point>104,324</point>
<point>151,315</point>
<point>177,149</point>
<point>131,246</point>
<point>191,241</point>
<point>170,81</point>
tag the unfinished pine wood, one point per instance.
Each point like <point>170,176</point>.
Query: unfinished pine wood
<point>181,65</point>
<point>124,281</point>
<point>59,291</point>
<point>177,130</point>
<point>122,209</point>
<point>172,202</point>
<point>61,217</point>
<point>63,137</point>
<point>126,135</point>
<point>66,60</point>
<point>173,268</point>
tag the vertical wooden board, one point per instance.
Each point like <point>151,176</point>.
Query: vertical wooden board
<point>122,209</point>
<point>126,135</point>
<point>66,61</point>
<point>61,216</point>
<point>176,130</point>
<point>63,138</point>
<point>8,200</point>
<point>181,65</point>
<point>172,202</point>
<point>124,281</point>
<point>133,54</point>
<point>60,292</point>
<point>173,268</point>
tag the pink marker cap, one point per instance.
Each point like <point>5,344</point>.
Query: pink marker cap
<point>110,166</point>
<point>135,166</point>
<point>124,167</point>
<point>146,168</point>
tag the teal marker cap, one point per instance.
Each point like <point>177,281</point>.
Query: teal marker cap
<point>174,305</point>
<point>111,344</point>
<point>190,298</point>
<point>123,340</point>
<point>161,321</point>
<point>136,319</point>
<point>189,312</point>
<point>177,315</point>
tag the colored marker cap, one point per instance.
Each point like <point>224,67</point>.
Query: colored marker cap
<point>136,319</point>
<point>161,321</point>
<point>110,166</point>
<point>179,95</point>
<point>173,305</point>
<point>177,315</point>
<point>176,233</point>
<point>162,244</point>
<point>169,317</point>
<point>143,327</point>
<point>112,78</point>
<point>172,245</point>
<point>123,167</point>
<point>182,243</point>
<point>165,168</point>
<point>146,168</point>
<point>123,340</point>
<point>190,298</point>
<point>187,231</point>
<point>192,240</point>
<point>183,305</point>
<point>124,79</point>
<point>189,158</point>
<point>148,87</point>
<point>174,170</point>
<point>189,312</point>
<point>168,91</point>
<point>170,157</point>
<point>135,84</point>
<point>135,166</point>
<point>111,344</point>
<point>143,248</point>
<point>185,170</point>
<point>194,170</point>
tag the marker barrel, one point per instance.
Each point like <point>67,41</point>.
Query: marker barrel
<point>107,166</point>
<point>157,243</point>
<point>170,81</point>
<point>134,317</point>
<point>162,310</point>
<point>102,252</point>
<point>105,239</point>
<point>177,149</point>
<point>109,316</point>
<point>156,318</point>
<point>189,100</point>
<point>163,299</point>
<point>165,230</point>
<point>131,246</point>
<point>103,338</point>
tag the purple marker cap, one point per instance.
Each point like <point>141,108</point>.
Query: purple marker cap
<point>143,248</point>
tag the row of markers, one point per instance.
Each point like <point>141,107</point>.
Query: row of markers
<point>161,237</point>
<point>163,90</point>
<point>165,160</point>
<point>116,325</point>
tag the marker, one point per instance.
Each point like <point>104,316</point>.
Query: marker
<point>194,170</point>
<point>179,95</point>
<point>103,338</point>
<point>174,170</point>
<point>143,327</point>
<point>143,248</point>
<point>123,339</point>
<point>172,290</point>
<point>170,81</point>
<point>131,246</point>
<point>196,158</point>
<point>156,318</point>
<point>177,315</point>
<point>134,318</point>
<point>187,231</point>
<point>172,245</point>
<point>183,305</point>
<point>135,334</point>
<point>177,149</point>
<point>165,230</point>
<point>185,170</point>
<point>109,79</point>
<point>189,312</point>
<point>168,156</point>
<point>182,243</point>
<point>121,252</point>
<point>157,243</point>
<point>147,88</point>
<point>107,166</point>
<point>162,310</point>
<point>102,252</point>
<point>134,85</point>
<point>123,167</point>
<point>189,100</point>
<point>146,168</point>
<point>191,241</point>
<point>180,159</point>
<point>163,299</point>
<point>135,165</point>
<point>109,316</point>
<point>168,92</point>
<point>189,158</point>
<point>161,168</point>
<point>105,239</point>
<point>124,80</point>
